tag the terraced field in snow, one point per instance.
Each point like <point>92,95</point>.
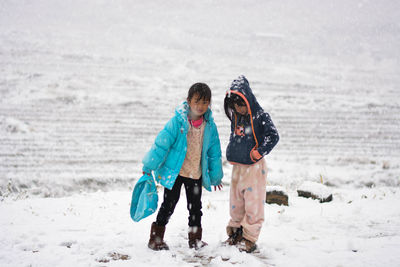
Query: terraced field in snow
<point>56,146</point>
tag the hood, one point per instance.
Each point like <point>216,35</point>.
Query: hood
<point>241,87</point>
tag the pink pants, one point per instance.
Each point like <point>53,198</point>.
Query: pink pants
<point>247,198</point>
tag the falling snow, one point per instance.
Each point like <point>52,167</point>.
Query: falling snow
<point>85,87</point>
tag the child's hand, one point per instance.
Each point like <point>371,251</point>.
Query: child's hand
<point>218,186</point>
<point>146,171</point>
<point>255,155</point>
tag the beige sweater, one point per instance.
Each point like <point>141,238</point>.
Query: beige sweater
<point>191,167</point>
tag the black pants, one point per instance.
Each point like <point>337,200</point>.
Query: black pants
<point>171,198</point>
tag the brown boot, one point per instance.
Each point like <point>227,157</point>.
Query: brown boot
<point>246,245</point>
<point>195,234</point>
<point>156,241</point>
<point>235,235</point>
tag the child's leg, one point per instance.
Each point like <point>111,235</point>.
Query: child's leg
<point>193,197</point>
<point>171,198</point>
<point>254,197</point>
<point>236,200</point>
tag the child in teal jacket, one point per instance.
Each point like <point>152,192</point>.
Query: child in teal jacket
<point>187,151</point>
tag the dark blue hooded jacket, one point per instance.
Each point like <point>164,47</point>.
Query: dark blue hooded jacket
<point>252,131</point>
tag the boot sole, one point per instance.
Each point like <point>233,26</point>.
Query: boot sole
<point>157,249</point>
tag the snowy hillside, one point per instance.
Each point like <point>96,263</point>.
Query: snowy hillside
<point>85,86</point>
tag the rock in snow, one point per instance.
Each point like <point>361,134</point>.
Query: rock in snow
<point>315,191</point>
<point>277,195</point>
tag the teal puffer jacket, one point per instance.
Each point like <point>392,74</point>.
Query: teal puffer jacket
<point>168,152</point>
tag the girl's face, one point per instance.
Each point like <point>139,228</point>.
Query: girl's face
<point>198,106</point>
<point>242,110</point>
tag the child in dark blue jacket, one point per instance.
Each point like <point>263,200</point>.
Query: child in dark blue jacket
<point>186,152</point>
<point>253,135</point>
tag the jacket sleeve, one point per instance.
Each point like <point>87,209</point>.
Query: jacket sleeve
<point>214,158</point>
<point>270,135</point>
<point>162,144</point>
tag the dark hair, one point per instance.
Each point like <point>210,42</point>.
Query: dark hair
<point>202,90</point>
<point>229,103</point>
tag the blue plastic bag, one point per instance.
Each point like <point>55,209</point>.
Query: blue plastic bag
<point>144,198</point>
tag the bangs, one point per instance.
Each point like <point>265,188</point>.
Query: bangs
<point>201,90</point>
<point>235,99</point>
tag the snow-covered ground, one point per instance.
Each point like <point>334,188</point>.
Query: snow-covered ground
<point>86,85</point>
<point>359,228</point>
